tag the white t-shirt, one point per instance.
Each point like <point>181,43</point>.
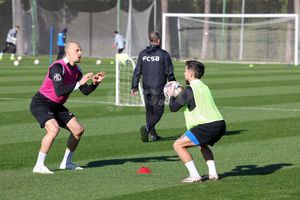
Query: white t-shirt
<point>119,41</point>
<point>12,36</point>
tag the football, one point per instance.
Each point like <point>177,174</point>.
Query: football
<point>98,62</point>
<point>19,58</point>
<point>16,63</point>
<point>174,84</point>
<point>36,61</point>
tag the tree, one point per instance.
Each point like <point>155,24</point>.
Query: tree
<point>164,9</point>
<point>297,10</point>
<point>205,35</point>
<point>289,34</point>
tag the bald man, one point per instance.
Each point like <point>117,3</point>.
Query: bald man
<point>47,106</point>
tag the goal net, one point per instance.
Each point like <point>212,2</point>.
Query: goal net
<point>255,38</point>
<point>96,19</point>
<point>124,70</point>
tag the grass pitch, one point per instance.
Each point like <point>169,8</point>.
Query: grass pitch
<point>257,159</point>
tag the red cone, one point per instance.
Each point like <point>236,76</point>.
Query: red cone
<point>144,170</point>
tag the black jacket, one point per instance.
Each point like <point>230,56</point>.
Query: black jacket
<point>155,66</point>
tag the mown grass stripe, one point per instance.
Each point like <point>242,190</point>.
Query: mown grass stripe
<point>258,84</point>
<point>258,155</point>
<point>250,79</point>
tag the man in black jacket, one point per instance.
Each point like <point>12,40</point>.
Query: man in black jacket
<point>155,66</point>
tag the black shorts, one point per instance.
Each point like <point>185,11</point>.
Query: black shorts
<point>209,133</point>
<point>120,50</point>
<point>43,109</point>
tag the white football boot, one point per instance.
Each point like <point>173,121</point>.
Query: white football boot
<point>192,179</point>
<point>71,166</point>
<point>41,169</point>
<point>212,177</point>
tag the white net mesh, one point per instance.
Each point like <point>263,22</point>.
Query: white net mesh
<point>124,70</point>
<point>93,28</point>
<point>137,30</point>
<point>255,39</point>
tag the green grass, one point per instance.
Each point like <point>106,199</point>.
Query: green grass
<point>257,159</point>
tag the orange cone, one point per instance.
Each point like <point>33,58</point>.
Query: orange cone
<point>144,170</point>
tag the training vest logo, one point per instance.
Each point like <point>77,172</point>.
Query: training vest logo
<point>151,58</point>
<point>57,77</point>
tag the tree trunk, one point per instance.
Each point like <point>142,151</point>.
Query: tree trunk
<point>164,9</point>
<point>205,35</point>
<point>289,35</point>
<point>297,11</point>
<point>229,29</point>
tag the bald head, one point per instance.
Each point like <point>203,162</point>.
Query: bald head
<point>71,44</point>
<point>73,52</point>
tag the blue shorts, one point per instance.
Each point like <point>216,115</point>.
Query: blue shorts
<point>191,136</point>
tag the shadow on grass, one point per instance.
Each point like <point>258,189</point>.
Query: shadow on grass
<point>252,170</point>
<point>175,137</point>
<point>101,163</point>
<point>234,132</point>
<point>231,132</point>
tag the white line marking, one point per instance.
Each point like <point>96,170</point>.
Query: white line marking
<point>221,107</point>
<point>14,99</point>
<point>92,102</point>
<point>71,101</point>
<point>262,108</point>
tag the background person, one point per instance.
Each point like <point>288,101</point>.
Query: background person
<point>61,41</point>
<point>47,106</point>
<point>205,124</point>
<point>155,66</point>
<point>119,42</point>
<point>11,42</point>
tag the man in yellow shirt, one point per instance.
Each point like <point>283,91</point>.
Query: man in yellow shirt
<point>205,124</point>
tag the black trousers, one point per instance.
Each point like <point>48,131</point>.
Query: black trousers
<point>8,45</point>
<point>154,105</point>
<point>61,52</point>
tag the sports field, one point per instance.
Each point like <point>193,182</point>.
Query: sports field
<point>259,158</point>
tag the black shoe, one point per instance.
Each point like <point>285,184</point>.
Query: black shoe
<point>154,136</point>
<point>144,134</point>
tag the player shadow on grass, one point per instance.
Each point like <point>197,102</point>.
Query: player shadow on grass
<point>175,137</point>
<point>253,170</point>
<point>234,132</point>
<point>101,163</point>
<point>231,132</point>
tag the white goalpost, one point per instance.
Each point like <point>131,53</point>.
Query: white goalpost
<point>124,70</point>
<point>242,38</point>
<point>136,40</point>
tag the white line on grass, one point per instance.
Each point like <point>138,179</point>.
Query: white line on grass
<point>72,101</point>
<point>91,102</point>
<point>261,108</point>
<point>222,107</point>
<point>13,99</point>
